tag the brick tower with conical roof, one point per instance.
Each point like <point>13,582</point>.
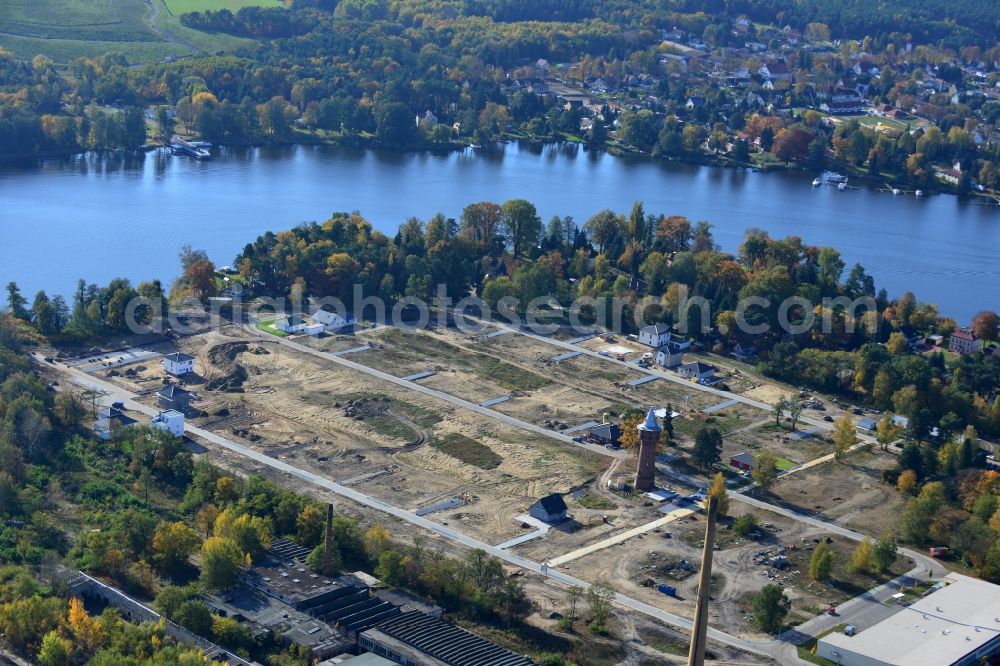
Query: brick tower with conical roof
<point>649,436</point>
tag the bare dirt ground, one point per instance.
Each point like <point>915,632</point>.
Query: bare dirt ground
<point>377,436</point>
<point>387,441</point>
<point>849,493</point>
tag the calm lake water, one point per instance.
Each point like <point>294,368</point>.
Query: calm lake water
<point>98,217</point>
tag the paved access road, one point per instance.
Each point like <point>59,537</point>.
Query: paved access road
<point>440,395</point>
<point>670,376</point>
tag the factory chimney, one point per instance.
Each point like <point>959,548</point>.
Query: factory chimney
<point>699,630</point>
<point>328,543</point>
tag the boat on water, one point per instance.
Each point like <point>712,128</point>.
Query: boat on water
<point>919,193</point>
<point>197,150</point>
<point>842,186</point>
<point>895,191</point>
<point>834,177</point>
<point>817,182</point>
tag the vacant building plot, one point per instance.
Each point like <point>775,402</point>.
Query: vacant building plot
<point>347,425</point>
<point>849,493</point>
<point>556,396</point>
<point>681,396</point>
<point>402,353</point>
<point>557,407</point>
<point>731,419</point>
<point>765,435</point>
<point>540,353</point>
<point>335,343</point>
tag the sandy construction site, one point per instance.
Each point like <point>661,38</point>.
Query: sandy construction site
<point>479,473</point>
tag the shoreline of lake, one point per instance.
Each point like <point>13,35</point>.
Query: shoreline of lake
<point>128,214</point>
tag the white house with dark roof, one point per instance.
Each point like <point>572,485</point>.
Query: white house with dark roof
<point>654,336</point>
<point>550,509</point>
<point>290,324</point>
<point>697,370</point>
<point>110,420</point>
<point>178,364</point>
<point>671,353</point>
<point>331,321</point>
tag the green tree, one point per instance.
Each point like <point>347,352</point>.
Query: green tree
<point>884,554</point>
<point>164,123</point>
<point>394,124</point>
<point>770,607</point>
<point>55,651</point>
<point>780,405</point>
<point>16,303</point>
<point>863,557</point>
<point>844,437</point>
<point>250,533</point>
<point>196,616</point>
<point>887,432</point>
<point>795,412</point>
<point>745,524</point>
<point>221,560</point>
<point>169,600</point>
<point>173,544</point>
<point>821,563</point>
<point>231,633</point>
<point>919,512</point>
<point>765,470</point>
<point>707,447</point>
<point>600,597</point>
<point>43,314</point>
<point>521,224</point>
<point>309,526</point>
<point>390,567</point>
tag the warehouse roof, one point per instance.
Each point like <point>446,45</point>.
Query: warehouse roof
<point>446,642</point>
<point>941,628</point>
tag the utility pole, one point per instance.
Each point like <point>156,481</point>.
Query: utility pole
<point>699,630</point>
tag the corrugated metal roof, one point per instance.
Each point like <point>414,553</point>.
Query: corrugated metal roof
<point>448,643</point>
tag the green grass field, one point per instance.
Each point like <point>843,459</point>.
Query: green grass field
<point>178,7</point>
<point>783,464</point>
<point>68,29</point>
<point>86,20</point>
<point>268,327</point>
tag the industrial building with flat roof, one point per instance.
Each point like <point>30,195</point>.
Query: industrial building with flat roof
<point>415,639</point>
<point>954,625</point>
